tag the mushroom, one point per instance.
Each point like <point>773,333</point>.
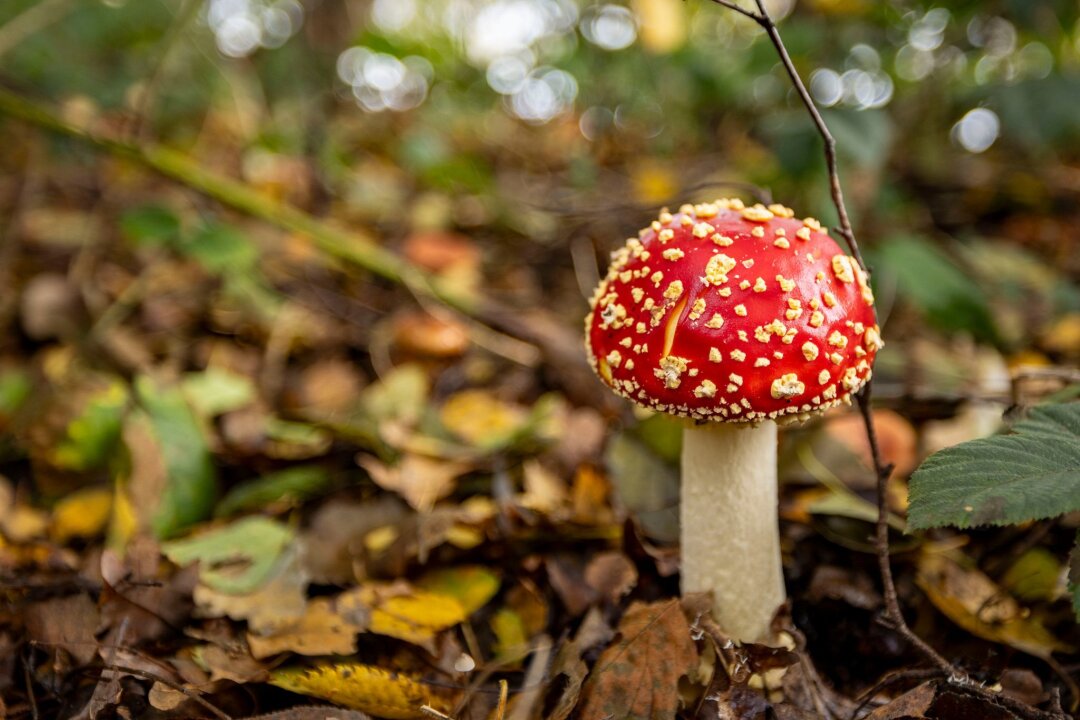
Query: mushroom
<point>735,318</point>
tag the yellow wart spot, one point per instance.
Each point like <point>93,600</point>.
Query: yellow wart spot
<point>714,355</point>
<point>781,243</point>
<point>614,358</point>
<point>758,231</point>
<point>759,285</point>
<point>785,284</point>
<point>757,213</point>
<point>738,355</point>
<point>786,387</point>
<point>697,308</point>
<point>761,362</point>
<point>816,319</point>
<point>673,254</point>
<point>740,310</point>
<point>837,339</point>
<point>722,240</point>
<point>841,266</point>
<point>671,370</point>
<point>717,268</point>
<point>665,235</point>
<point>706,389</point>
<point>674,290</point>
<point>823,377</point>
<point>810,350</point>
<point>715,322</point>
<point>703,229</point>
<point>803,233</point>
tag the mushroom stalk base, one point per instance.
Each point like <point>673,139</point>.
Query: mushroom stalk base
<point>730,531</point>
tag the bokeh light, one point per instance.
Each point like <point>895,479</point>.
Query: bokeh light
<point>977,130</point>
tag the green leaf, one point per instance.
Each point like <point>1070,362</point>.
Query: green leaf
<point>150,226</point>
<point>222,249</point>
<point>216,391</point>
<point>646,485</point>
<point>90,438</point>
<point>930,280</point>
<point>1002,480</point>
<point>235,559</point>
<point>295,483</point>
<point>191,483</point>
<point>15,387</point>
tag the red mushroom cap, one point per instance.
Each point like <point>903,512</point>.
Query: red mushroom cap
<point>731,313</point>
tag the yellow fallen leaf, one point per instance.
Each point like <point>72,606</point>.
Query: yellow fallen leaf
<point>365,688</point>
<point>471,585</point>
<point>401,612</point>
<point>321,631</point>
<point>83,514</point>
<point>481,419</point>
<point>420,480</point>
<point>977,604</point>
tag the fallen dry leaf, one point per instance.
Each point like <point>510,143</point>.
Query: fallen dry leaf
<point>320,631</point>
<point>362,687</point>
<point>976,603</point>
<point>420,480</point>
<point>400,611</point>
<point>638,677</point>
<point>69,623</point>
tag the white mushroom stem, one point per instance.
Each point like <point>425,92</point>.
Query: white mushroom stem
<point>730,531</point>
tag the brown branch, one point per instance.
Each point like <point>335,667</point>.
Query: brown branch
<point>892,606</point>
<point>881,543</point>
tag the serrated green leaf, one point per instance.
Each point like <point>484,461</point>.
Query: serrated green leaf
<point>1029,475</point>
<point>191,482</point>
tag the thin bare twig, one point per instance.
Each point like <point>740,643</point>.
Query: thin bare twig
<point>763,19</point>
<point>190,694</point>
<point>892,606</point>
<point>881,543</point>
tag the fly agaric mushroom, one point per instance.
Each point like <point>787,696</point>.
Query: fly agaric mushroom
<point>736,318</point>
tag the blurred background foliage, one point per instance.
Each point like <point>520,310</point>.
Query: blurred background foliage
<point>166,359</point>
<point>507,145</point>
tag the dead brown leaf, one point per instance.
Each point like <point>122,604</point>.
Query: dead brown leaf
<point>320,631</point>
<point>638,677</point>
<point>69,623</point>
<point>421,481</point>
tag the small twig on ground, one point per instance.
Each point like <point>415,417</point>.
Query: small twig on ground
<point>892,678</point>
<point>191,694</point>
